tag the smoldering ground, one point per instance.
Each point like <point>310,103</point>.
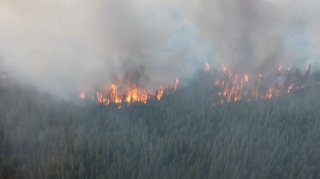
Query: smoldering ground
<point>60,45</point>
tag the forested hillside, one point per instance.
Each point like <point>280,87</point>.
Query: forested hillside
<point>183,136</point>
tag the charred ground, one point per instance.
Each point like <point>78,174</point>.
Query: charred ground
<point>184,135</point>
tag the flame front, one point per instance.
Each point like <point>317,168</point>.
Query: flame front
<point>231,87</point>
<point>234,88</point>
<point>134,95</point>
<point>129,95</point>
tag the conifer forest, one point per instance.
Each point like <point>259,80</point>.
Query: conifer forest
<point>159,89</point>
<point>184,135</point>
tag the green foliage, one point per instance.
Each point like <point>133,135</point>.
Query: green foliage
<point>182,136</point>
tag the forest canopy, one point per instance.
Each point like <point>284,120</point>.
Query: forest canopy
<point>181,136</point>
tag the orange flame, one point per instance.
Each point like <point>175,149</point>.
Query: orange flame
<point>130,95</point>
<point>160,93</point>
<point>134,95</point>
<point>233,87</point>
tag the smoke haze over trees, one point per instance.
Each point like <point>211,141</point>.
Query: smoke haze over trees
<point>60,45</point>
<point>52,47</point>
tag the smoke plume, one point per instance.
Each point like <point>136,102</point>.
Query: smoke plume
<point>60,45</point>
<point>256,35</point>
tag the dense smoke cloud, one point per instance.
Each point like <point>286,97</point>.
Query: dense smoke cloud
<point>260,34</point>
<point>63,44</point>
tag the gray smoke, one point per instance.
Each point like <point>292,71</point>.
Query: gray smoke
<point>256,35</point>
<point>64,44</point>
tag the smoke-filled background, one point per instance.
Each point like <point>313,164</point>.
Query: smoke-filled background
<point>64,44</point>
<point>261,34</point>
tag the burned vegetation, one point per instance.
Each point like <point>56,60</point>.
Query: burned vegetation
<point>221,125</point>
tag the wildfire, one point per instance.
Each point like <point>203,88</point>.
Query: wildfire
<point>160,93</point>
<point>269,93</point>
<point>231,87</point>
<point>116,94</point>
<point>234,87</point>
<point>175,84</point>
<point>134,95</point>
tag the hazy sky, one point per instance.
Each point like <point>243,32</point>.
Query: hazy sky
<point>62,44</point>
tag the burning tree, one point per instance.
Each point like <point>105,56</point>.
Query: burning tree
<point>229,86</point>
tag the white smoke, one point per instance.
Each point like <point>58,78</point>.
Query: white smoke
<point>62,44</point>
